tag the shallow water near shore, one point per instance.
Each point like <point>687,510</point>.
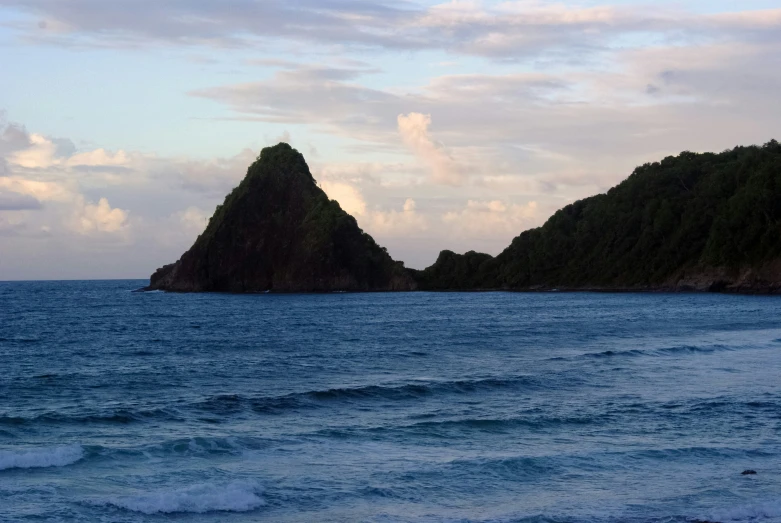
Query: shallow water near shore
<point>409,407</point>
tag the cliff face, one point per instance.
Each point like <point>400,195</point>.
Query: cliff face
<point>691,222</point>
<point>278,231</point>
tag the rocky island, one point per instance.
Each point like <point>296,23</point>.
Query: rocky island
<point>693,222</point>
<point>278,231</point>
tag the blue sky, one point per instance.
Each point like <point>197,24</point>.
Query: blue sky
<point>437,124</point>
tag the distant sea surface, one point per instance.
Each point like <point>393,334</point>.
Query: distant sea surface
<point>410,407</point>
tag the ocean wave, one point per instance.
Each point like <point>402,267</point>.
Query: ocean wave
<point>724,404</point>
<point>498,425</point>
<point>181,447</point>
<point>614,353</point>
<point>42,457</point>
<point>456,428</point>
<point>416,390</point>
<point>235,404</point>
<point>121,416</point>
<point>232,403</point>
<point>693,349</point>
<point>237,496</point>
<point>665,351</point>
<point>201,446</point>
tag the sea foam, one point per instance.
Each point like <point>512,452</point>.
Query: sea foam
<point>42,457</point>
<point>237,496</point>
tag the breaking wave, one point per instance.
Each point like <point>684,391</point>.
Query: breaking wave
<point>39,458</point>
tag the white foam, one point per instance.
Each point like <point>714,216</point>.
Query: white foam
<point>237,496</point>
<point>43,457</point>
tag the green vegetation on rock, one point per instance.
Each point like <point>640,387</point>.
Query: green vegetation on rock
<point>278,231</point>
<point>695,221</point>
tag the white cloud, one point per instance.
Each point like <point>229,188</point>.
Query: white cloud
<point>380,223</point>
<point>40,153</point>
<point>44,153</point>
<point>495,29</point>
<point>394,224</point>
<point>48,198</point>
<point>98,158</point>
<point>751,20</point>
<point>413,128</point>
<point>98,218</point>
<point>492,219</point>
<point>86,218</point>
<point>40,190</point>
<point>349,197</point>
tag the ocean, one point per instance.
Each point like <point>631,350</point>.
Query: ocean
<point>410,407</point>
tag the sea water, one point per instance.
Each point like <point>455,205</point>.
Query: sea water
<point>410,407</point>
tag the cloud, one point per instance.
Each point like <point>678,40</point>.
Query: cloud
<point>548,136</point>
<point>284,137</point>
<point>13,137</point>
<point>99,158</point>
<point>38,190</point>
<point>350,198</point>
<point>404,223</point>
<point>14,201</point>
<point>382,223</point>
<point>493,220</point>
<point>213,177</point>
<point>73,189</point>
<point>40,153</point>
<point>39,170</point>
<point>193,219</point>
<point>101,213</point>
<point>413,128</point>
<point>71,211</point>
<point>525,29</point>
<point>325,98</point>
<point>99,218</point>
<point>11,226</point>
<point>573,130</point>
<point>230,23</point>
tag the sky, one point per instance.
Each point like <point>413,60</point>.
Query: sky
<point>437,124</point>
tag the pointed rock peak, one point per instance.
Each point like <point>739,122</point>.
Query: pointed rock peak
<point>280,158</point>
<point>278,231</point>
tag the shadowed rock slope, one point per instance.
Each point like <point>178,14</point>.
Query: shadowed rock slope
<point>709,222</point>
<point>278,231</point>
